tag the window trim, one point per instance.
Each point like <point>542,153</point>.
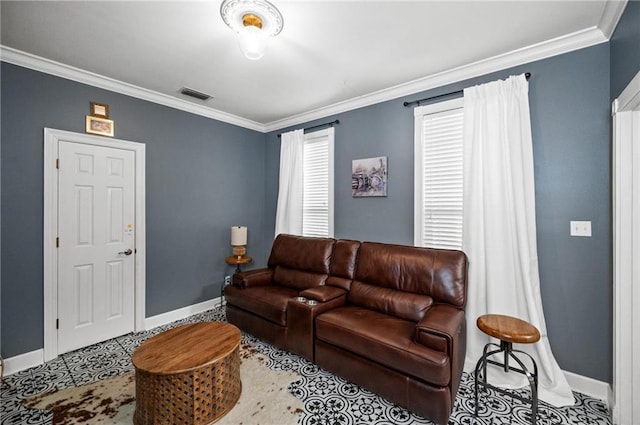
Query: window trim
<point>418,190</point>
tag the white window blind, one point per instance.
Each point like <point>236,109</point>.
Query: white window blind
<point>439,175</point>
<point>317,209</point>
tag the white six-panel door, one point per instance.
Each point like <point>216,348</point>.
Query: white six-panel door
<point>96,218</point>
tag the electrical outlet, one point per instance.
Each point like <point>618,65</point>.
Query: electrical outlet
<point>227,280</point>
<point>580,228</point>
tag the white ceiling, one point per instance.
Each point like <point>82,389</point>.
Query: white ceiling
<point>330,56</point>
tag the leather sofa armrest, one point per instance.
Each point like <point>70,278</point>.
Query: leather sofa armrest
<point>323,293</point>
<point>258,277</point>
<point>441,328</point>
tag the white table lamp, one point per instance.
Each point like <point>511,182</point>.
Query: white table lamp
<point>239,240</point>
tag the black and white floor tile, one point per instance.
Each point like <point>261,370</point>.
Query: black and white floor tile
<point>332,400</point>
<point>328,399</point>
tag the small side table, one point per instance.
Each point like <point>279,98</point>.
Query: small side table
<point>508,330</point>
<point>237,260</point>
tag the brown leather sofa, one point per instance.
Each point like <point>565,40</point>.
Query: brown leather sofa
<point>387,317</point>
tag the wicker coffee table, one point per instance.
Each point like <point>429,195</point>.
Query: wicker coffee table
<point>188,375</point>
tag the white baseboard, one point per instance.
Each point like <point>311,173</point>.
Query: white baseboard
<point>36,358</point>
<point>181,313</point>
<point>589,386</point>
<point>23,361</point>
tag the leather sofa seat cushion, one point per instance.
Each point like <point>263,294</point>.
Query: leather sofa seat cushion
<point>268,302</point>
<point>404,305</point>
<point>384,339</point>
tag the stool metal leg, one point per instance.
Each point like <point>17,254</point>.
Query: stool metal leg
<point>482,365</point>
<point>533,382</point>
<point>475,384</point>
<point>481,377</point>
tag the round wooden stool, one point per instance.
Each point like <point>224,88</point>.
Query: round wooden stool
<point>508,330</point>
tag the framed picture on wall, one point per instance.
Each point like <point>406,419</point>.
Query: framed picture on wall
<point>99,110</point>
<point>99,126</point>
<point>369,177</point>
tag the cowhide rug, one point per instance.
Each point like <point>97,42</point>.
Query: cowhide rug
<point>264,399</point>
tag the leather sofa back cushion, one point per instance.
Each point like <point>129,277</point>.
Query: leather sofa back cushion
<point>343,263</point>
<point>400,304</point>
<point>297,279</point>
<point>438,273</point>
<point>339,282</point>
<point>297,252</point>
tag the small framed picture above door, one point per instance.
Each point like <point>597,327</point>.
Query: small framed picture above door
<point>100,110</point>
<point>99,126</point>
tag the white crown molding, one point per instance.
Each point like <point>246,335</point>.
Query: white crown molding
<point>575,41</point>
<point>611,15</point>
<point>27,60</point>
<point>564,44</point>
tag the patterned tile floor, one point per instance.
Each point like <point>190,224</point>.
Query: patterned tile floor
<point>328,400</point>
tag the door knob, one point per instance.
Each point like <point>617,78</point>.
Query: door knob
<point>126,252</point>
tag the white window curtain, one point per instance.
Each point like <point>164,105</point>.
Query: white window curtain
<point>291,189</point>
<point>499,231</point>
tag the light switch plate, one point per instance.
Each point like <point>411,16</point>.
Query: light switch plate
<point>580,228</point>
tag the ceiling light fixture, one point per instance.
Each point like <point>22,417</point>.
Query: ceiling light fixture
<point>254,21</point>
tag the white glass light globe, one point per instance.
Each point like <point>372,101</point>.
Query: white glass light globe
<point>253,42</point>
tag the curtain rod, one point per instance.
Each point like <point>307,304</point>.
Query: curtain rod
<point>417,102</point>
<point>318,126</point>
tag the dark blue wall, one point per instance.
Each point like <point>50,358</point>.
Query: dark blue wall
<point>569,100</point>
<point>192,195</point>
<point>195,193</point>
<point>625,49</point>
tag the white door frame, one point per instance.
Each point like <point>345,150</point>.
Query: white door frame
<point>626,251</point>
<point>51,139</point>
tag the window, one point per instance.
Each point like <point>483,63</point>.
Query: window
<point>317,204</point>
<point>438,175</point>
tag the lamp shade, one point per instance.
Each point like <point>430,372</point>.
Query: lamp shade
<point>239,235</point>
